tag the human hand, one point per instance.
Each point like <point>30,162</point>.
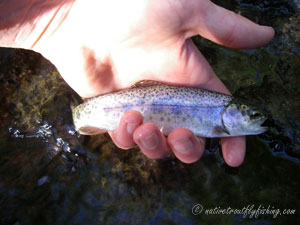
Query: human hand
<point>104,46</point>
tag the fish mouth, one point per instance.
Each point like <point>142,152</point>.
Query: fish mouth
<point>258,126</point>
<point>262,130</point>
<point>262,125</point>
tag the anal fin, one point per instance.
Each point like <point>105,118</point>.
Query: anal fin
<point>89,130</point>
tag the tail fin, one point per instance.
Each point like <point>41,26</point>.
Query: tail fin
<point>74,101</point>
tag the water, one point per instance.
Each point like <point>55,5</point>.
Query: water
<point>50,176</point>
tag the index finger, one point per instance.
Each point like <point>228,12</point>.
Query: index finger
<point>234,150</point>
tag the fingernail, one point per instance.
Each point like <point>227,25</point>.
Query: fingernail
<point>130,127</point>
<point>183,146</point>
<point>150,142</point>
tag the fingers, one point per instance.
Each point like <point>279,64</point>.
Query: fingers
<point>228,28</point>
<point>151,141</point>
<point>131,131</point>
<point>185,145</point>
<point>234,150</point>
<point>123,136</point>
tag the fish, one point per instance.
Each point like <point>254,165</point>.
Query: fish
<point>206,113</point>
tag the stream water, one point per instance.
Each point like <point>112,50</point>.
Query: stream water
<point>50,176</point>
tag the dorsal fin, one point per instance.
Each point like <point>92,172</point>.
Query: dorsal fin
<point>146,83</point>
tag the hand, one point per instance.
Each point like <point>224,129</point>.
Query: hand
<point>104,46</point>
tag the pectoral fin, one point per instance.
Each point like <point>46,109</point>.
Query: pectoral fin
<point>220,130</point>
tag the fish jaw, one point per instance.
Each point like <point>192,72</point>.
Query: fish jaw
<point>256,126</point>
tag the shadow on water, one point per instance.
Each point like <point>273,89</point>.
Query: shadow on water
<point>50,176</point>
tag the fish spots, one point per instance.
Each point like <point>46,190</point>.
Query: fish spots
<point>87,110</point>
<point>77,115</point>
<point>107,110</point>
<point>176,110</point>
<point>156,109</point>
<point>127,107</point>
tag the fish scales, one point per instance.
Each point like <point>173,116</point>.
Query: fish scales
<point>169,107</point>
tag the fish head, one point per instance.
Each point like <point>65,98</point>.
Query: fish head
<point>243,119</point>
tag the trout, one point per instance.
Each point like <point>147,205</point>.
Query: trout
<point>206,113</point>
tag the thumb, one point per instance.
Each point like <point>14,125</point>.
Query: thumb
<point>230,29</point>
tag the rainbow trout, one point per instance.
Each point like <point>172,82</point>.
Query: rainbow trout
<point>206,113</point>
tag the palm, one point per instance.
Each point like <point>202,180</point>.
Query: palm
<point>158,47</point>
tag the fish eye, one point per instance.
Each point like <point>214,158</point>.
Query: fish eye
<point>255,115</point>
